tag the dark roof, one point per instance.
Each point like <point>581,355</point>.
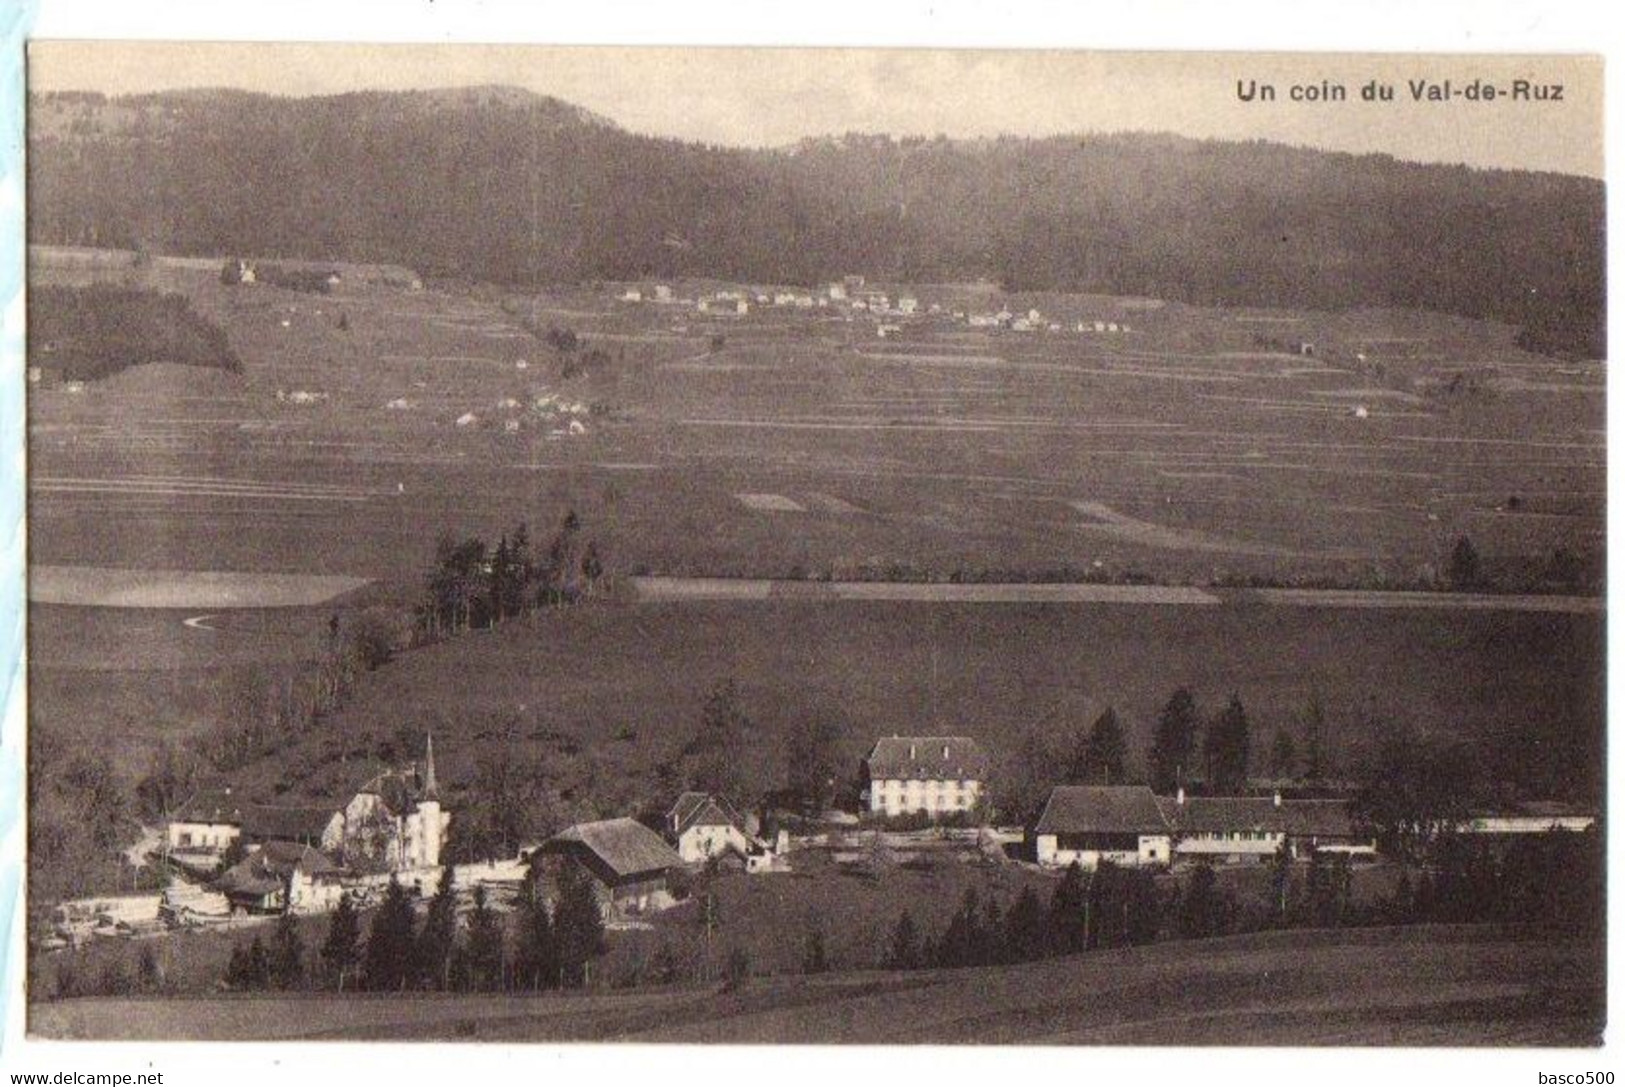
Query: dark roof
<point>400,790</point>
<point>1223,814</point>
<point>215,806</point>
<point>1220,814</point>
<point>928,758</point>
<point>1102,809</point>
<point>263,871</point>
<point>270,822</point>
<point>1320,818</point>
<point>703,810</point>
<point>625,846</point>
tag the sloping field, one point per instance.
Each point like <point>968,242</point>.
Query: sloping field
<point>700,588</point>
<point>1419,986</point>
<point>110,587</point>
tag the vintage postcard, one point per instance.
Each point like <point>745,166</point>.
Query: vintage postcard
<point>565,544</point>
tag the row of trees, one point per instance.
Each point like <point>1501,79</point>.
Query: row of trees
<point>1552,879</point>
<point>1108,907</point>
<point>475,586</point>
<point>542,947</point>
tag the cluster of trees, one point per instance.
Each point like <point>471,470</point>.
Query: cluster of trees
<point>86,333</point>
<point>474,586</point>
<point>568,198</point>
<point>1108,907</point>
<point>83,810</point>
<point>1225,752</point>
<point>1187,746</point>
<point>539,947</point>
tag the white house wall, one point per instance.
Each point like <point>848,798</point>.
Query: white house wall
<point>893,796</point>
<point>1154,850</point>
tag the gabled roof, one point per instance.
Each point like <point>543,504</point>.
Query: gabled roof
<point>1102,809</point>
<point>1320,818</point>
<point>928,758</point>
<point>625,846</point>
<point>703,810</point>
<point>263,871</point>
<point>216,807</point>
<point>272,822</point>
<point>1223,814</point>
<point>1226,814</point>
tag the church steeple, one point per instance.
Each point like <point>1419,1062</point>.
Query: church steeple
<point>431,790</point>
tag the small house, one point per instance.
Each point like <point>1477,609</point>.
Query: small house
<point>703,827</point>
<point>278,876</point>
<point>203,828</point>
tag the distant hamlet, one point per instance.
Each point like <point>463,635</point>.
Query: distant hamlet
<point>1202,222</point>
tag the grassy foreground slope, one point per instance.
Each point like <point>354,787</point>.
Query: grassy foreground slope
<point>1467,985</point>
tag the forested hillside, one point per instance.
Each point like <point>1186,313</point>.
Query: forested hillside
<point>503,185</point>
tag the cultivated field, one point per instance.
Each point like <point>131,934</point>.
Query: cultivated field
<point>1195,450</point>
<point>1418,986</point>
<point>103,587</point>
<point>1181,450</point>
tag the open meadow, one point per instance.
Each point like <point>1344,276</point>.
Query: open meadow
<point>1430,985</point>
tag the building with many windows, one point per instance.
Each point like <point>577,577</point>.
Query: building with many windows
<point>931,775</point>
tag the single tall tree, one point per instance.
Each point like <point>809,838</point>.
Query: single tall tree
<point>437,942</point>
<point>391,941</point>
<point>1069,911</point>
<point>1283,755</point>
<point>536,951</point>
<point>904,952</point>
<point>484,957</point>
<point>1101,759</point>
<point>287,962</point>
<point>1465,572</point>
<point>1026,933</point>
<point>579,925</point>
<point>719,745</point>
<point>342,948</point>
<point>813,761</point>
<point>1174,745</point>
<point>1227,747</point>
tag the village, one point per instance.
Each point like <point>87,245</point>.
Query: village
<point>235,863</point>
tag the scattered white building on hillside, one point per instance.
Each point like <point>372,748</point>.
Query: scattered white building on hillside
<point>936,775</point>
<point>704,827</point>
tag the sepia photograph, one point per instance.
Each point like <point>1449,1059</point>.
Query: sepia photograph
<point>814,546</point>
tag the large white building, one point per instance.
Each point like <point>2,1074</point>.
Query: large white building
<point>931,775</point>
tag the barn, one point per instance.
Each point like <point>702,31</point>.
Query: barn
<point>630,864</point>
